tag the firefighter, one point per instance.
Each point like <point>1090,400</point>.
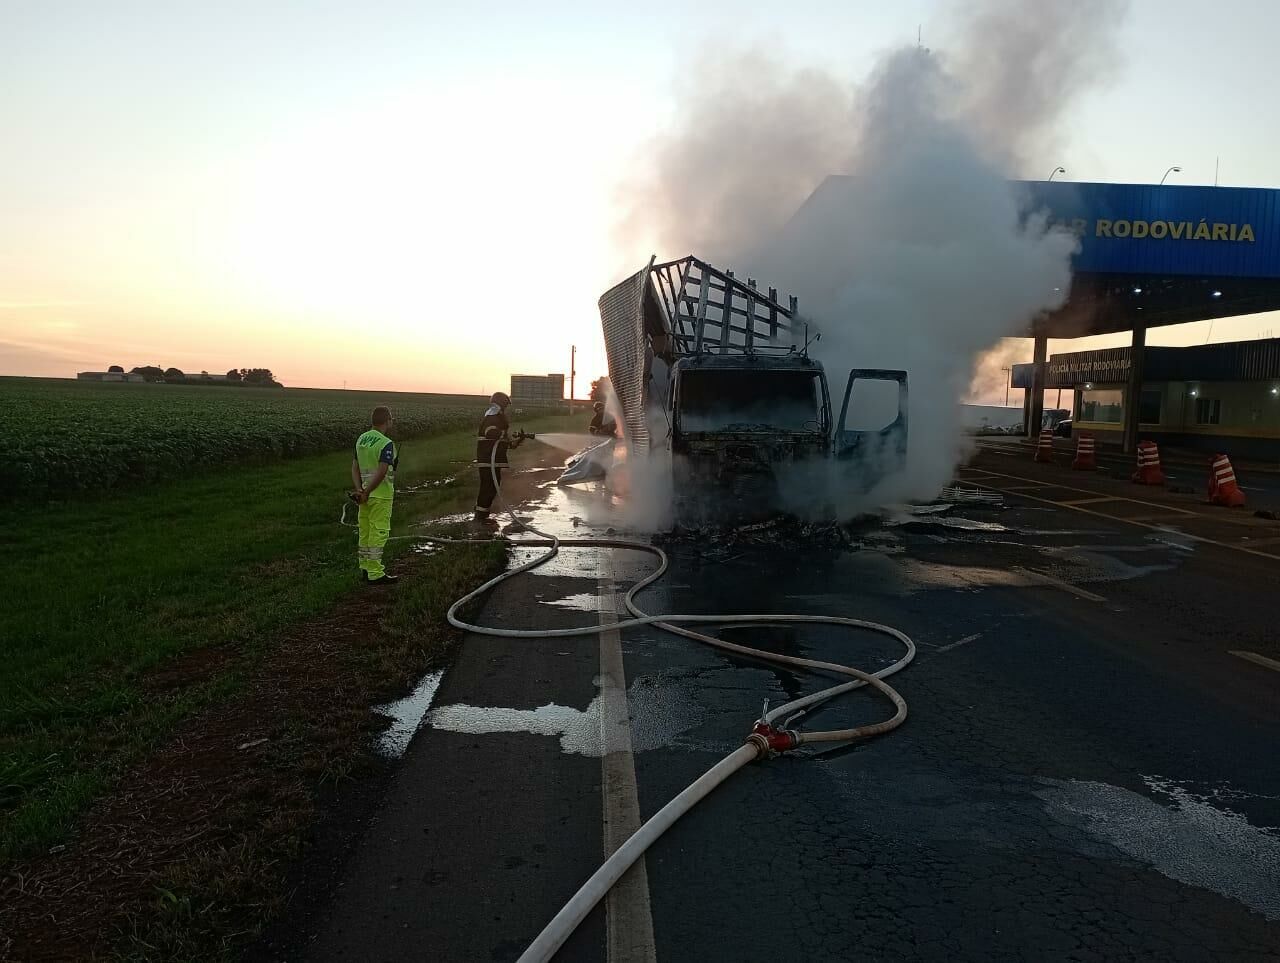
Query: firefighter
<point>601,426</point>
<point>493,431</point>
<point>374,473</point>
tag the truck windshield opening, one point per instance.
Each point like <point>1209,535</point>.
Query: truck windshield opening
<point>750,400</point>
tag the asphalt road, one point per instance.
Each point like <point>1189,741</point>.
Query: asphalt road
<point>1088,771</point>
<point>1261,488</point>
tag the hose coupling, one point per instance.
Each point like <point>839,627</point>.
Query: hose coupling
<point>771,741</point>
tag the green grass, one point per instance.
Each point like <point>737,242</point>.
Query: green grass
<point>102,592</point>
<point>204,904</point>
<point>69,438</point>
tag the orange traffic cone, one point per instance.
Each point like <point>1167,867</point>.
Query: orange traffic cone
<point>1223,489</point>
<point>1085,455</point>
<point>1044,447</point>
<point>1148,472</point>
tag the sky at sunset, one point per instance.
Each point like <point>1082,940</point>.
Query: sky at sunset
<point>424,196</point>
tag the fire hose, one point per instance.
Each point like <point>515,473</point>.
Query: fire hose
<point>771,734</point>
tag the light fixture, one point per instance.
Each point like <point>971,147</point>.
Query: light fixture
<point>1217,294</point>
<point>1137,290</point>
<point>1088,384</point>
<point>1194,392</point>
<point>1275,391</point>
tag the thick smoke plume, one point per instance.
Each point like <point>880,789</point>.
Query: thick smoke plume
<point>924,256</point>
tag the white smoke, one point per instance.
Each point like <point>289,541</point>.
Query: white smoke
<point>925,256</point>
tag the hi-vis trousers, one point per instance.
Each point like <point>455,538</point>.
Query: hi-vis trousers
<point>375,526</point>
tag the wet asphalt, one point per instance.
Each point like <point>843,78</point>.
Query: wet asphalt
<point>1186,470</point>
<point>1087,771</point>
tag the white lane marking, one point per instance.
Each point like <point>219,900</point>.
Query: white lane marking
<point>1256,659</point>
<point>965,641</point>
<point>628,914</point>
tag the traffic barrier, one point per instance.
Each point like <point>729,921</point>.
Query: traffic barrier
<point>1148,472</point>
<point>1223,489</point>
<point>1086,456</point>
<point>1044,447</point>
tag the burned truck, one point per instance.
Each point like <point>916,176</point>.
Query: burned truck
<point>717,374</point>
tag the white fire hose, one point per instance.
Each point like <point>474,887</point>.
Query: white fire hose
<point>765,739</point>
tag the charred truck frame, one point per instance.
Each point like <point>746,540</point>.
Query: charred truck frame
<point>717,373</point>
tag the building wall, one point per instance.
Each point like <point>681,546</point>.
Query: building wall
<point>1247,417</point>
<point>537,389</point>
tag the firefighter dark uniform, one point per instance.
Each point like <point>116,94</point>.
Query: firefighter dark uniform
<point>492,434</point>
<point>599,426</point>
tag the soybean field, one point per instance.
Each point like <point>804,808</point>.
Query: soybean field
<point>62,438</point>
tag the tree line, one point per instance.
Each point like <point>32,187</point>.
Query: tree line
<point>250,377</point>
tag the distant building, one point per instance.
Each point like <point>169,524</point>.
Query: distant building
<point>100,376</point>
<point>1222,397</point>
<point>537,389</point>
<point>205,376</point>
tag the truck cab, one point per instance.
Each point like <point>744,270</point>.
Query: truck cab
<point>739,400</point>
<point>739,415</point>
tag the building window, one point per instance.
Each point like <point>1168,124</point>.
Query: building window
<point>1104,405</point>
<point>1208,411</point>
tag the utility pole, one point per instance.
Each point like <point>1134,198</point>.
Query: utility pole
<point>1007,384</point>
<point>573,372</point>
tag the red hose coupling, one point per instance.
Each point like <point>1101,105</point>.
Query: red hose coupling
<point>778,740</point>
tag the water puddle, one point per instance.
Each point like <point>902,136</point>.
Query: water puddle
<point>448,481</point>
<point>457,519</point>
<point>947,521</point>
<point>1091,565</point>
<point>933,575</point>
<point>406,715</point>
<point>1191,840</point>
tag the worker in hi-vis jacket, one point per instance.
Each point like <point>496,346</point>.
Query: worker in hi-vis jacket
<point>374,473</point>
<point>493,432</point>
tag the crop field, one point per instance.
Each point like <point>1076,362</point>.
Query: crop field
<point>60,438</point>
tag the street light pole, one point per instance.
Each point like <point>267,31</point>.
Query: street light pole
<point>1057,170</point>
<point>1008,384</point>
<point>1171,170</point>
